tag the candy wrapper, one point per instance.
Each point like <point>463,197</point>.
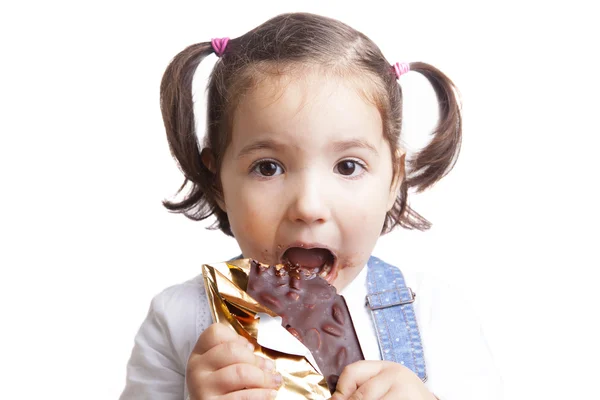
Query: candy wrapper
<point>226,284</point>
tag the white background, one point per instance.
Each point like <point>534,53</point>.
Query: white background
<point>85,242</point>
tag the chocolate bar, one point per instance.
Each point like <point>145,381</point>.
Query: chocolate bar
<point>312,311</point>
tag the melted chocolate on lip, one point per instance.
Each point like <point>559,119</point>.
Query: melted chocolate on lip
<point>308,259</point>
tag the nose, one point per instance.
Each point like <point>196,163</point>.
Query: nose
<point>309,200</point>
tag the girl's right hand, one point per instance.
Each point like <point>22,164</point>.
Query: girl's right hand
<point>223,366</point>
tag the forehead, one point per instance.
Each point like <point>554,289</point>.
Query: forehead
<point>308,105</point>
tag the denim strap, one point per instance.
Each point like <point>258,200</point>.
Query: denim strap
<point>391,307</point>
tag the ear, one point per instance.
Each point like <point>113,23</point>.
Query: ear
<point>399,160</point>
<point>208,159</point>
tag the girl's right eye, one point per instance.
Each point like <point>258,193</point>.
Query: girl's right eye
<point>267,168</point>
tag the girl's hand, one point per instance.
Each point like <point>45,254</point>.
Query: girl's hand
<point>374,380</point>
<point>223,366</point>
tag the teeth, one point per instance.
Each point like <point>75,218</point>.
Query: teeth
<point>325,271</point>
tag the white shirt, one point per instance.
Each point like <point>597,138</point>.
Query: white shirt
<point>458,362</point>
<point>355,295</point>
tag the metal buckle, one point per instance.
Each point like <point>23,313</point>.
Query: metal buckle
<point>382,304</point>
<point>413,295</point>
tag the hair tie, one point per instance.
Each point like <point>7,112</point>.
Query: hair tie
<point>219,45</point>
<point>401,68</point>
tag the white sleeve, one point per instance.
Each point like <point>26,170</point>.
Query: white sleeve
<point>156,368</point>
<point>459,363</point>
<point>153,371</point>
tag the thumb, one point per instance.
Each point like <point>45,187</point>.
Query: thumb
<point>339,396</point>
<point>354,376</point>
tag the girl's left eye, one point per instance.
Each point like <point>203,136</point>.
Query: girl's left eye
<point>350,168</point>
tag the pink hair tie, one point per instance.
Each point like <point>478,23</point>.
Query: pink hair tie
<point>219,45</point>
<point>401,68</point>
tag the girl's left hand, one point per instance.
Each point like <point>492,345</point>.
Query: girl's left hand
<point>374,380</point>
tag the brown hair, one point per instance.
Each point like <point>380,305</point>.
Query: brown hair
<point>278,45</point>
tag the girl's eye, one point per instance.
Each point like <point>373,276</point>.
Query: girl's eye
<point>267,168</point>
<point>350,168</point>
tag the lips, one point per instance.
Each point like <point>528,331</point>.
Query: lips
<point>311,260</point>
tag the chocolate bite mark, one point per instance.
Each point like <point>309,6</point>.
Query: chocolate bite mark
<point>313,312</point>
<point>295,283</point>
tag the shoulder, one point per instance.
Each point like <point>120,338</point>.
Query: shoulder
<point>184,312</point>
<point>458,359</point>
<point>165,340</point>
<point>433,293</point>
<point>180,293</point>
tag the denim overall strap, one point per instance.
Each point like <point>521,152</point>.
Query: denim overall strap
<point>391,307</point>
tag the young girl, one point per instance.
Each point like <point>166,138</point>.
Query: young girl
<point>302,163</point>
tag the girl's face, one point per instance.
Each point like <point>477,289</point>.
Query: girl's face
<point>307,177</point>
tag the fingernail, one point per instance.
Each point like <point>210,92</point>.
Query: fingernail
<point>277,379</point>
<point>273,394</point>
<point>268,365</point>
<point>250,346</point>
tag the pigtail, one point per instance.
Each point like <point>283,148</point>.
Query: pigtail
<point>177,107</point>
<point>437,159</point>
<point>434,161</point>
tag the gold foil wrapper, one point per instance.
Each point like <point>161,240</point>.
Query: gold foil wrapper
<point>226,285</point>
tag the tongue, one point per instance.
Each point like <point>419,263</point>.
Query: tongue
<point>307,258</point>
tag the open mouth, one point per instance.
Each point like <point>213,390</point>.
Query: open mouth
<point>311,261</point>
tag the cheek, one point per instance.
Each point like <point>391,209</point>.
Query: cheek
<point>251,216</point>
<point>245,216</point>
<point>364,217</point>
<point>369,205</point>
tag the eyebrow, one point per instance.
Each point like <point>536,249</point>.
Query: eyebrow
<point>354,143</point>
<point>338,146</point>
<point>260,145</point>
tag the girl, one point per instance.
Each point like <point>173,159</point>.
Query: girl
<point>302,163</point>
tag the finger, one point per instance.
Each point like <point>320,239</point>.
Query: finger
<point>251,394</point>
<point>391,396</point>
<point>244,376</point>
<point>375,388</point>
<point>355,375</point>
<point>213,336</point>
<point>234,353</point>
